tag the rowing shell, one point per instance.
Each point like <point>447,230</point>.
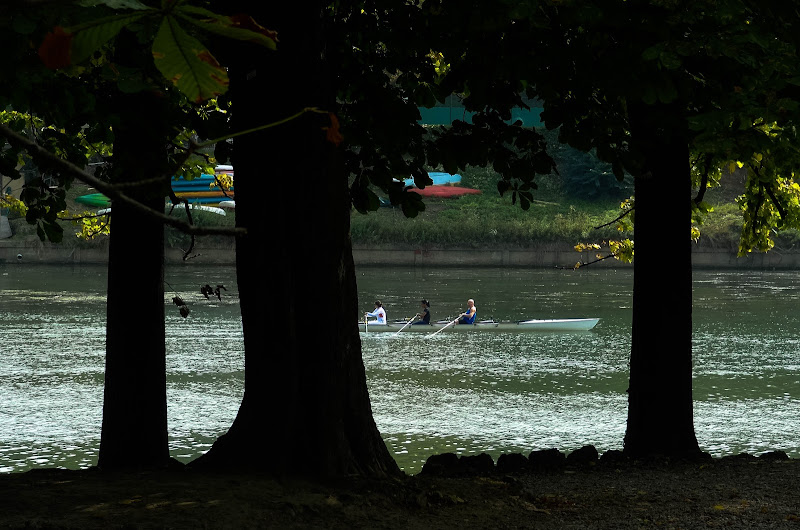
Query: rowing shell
<point>558,324</point>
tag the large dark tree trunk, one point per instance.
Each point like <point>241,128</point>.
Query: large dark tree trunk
<point>134,432</point>
<point>306,409</point>
<point>660,414</point>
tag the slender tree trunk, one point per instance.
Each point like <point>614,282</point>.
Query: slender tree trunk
<point>660,413</point>
<point>134,431</point>
<point>306,408</point>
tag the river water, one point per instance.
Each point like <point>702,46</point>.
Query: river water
<point>461,392</point>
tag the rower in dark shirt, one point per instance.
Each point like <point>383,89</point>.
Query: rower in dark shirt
<point>424,314</point>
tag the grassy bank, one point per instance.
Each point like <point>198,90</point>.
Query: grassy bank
<point>489,220</point>
<point>558,214</point>
<point>483,221</point>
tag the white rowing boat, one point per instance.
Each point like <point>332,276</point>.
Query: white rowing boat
<point>556,324</point>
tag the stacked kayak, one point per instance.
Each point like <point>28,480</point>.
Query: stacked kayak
<point>201,190</point>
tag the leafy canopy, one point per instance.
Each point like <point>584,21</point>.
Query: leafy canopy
<point>66,94</point>
<point>180,57</point>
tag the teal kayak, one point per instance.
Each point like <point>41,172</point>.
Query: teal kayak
<point>97,200</point>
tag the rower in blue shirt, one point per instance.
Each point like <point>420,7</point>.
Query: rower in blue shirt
<point>468,317</point>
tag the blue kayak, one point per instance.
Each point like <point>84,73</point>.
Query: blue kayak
<point>438,179</point>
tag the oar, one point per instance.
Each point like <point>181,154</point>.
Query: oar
<point>444,327</point>
<point>407,323</point>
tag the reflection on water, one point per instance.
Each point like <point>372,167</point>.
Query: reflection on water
<point>52,343</point>
<point>499,392</point>
<point>462,392</point>
<point>495,393</point>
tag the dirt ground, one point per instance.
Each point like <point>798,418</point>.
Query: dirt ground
<point>741,492</point>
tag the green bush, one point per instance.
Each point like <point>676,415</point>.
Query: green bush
<point>583,175</point>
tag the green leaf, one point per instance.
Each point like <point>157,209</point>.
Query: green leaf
<point>185,62</point>
<point>703,207</point>
<point>670,60</point>
<point>53,230</point>
<point>22,24</point>
<point>412,204</point>
<point>373,202</point>
<point>653,52</point>
<point>649,96</point>
<point>667,93</point>
<point>114,4</point>
<point>525,199</point>
<point>503,186</point>
<point>223,26</point>
<point>89,37</point>
<point>423,96</point>
<point>364,199</point>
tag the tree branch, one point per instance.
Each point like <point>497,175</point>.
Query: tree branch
<point>703,182</point>
<point>111,191</point>
<point>221,187</point>
<point>619,217</point>
<point>177,200</point>
<point>581,264</point>
<point>778,205</point>
<point>758,207</point>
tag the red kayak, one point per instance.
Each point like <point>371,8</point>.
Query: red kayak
<point>445,191</point>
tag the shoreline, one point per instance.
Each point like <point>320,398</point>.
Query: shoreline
<point>544,255</point>
<point>742,492</point>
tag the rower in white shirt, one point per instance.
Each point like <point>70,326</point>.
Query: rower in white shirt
<point>379,314</point>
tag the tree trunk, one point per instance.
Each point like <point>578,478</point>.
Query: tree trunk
<point>306,408</point>
<point>134,431</point>
<point>660,413</point>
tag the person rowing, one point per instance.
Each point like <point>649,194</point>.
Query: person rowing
<point>424,315</point>
<point>468,316</point>
<point>379,314</point>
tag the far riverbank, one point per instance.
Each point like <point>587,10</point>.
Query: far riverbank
<point>546,255</point>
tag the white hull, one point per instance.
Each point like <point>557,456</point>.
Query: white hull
<point>559,324</point>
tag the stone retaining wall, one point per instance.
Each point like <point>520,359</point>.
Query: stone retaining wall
<point>37,252</point>
<point>549,256</point>
<point>545,256</point>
